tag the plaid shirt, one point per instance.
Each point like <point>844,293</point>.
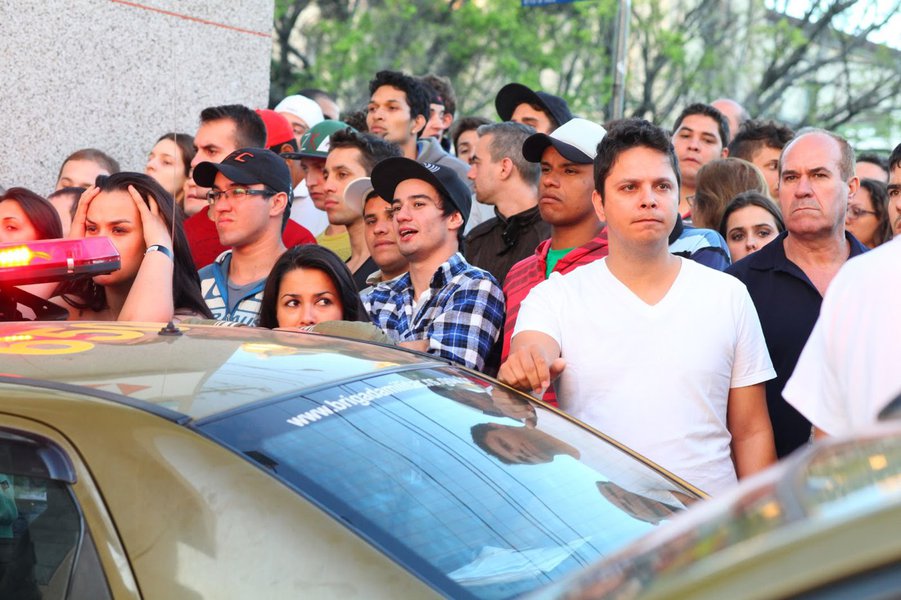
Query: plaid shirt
<point>461,314</point>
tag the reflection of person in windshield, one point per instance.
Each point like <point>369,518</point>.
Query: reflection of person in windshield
<point>638,506</point>
<point>496,403</point>
<point>519,445</point>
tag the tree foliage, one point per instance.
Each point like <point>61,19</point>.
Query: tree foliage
<point>811,68</point>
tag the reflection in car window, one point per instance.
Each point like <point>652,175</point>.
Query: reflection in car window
<point>451,475</point>
<point>39,531</point>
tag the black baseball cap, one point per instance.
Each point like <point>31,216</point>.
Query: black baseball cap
<point>514,94</point>
<point>388,173</point>
<point>248,166</point>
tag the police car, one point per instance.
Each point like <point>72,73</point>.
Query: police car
<point>197,461</point>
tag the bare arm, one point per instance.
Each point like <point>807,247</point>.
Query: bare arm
<point>420,345</point>
<point>753,448</point>
<point>534,362</point>
<point>151,296</point>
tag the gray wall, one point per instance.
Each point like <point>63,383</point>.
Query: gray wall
<point>117,75</point>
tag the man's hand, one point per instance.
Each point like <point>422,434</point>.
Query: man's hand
<point>534,362</point>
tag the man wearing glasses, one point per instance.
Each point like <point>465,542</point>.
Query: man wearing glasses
<point>250,202</point>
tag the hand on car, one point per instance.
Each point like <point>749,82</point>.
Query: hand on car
<point>527,369</point>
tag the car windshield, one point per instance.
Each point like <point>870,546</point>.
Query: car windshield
<point>465,484</point>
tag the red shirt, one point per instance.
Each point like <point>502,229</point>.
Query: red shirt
<point>203,238</point>
<point>530,271</point>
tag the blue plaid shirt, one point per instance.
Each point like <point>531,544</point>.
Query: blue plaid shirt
<point>461,314</point>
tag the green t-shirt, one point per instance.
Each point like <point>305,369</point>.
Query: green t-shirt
<point>553,257</point>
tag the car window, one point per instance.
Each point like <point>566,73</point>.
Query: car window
<point>467,485</point>
<point>43,553</point>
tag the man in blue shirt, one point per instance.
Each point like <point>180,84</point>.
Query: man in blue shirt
<point>788,277</point>
<point>443,305</point>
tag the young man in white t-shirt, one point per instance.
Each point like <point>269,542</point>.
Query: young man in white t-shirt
<point>661,353</point>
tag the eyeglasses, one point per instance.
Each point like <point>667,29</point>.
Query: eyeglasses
<point>213,196</point>
<point>856,212</point>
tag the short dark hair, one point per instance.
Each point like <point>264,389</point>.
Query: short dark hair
<point>444,90</point>
<point>373,149</point>
<point>873,158</point>
<point>250,130</point>
<point>465,124</point>
<point>41,214</point>
<point>879,199</point>
<point>417,93</point>
<point>626,134</point>
<point>699,108</point>
<point>758,133</point>
<point>311,256</point>
<point>752,198</point>
<point>94,155</point>
<point>74,192</point>
<point>894,160</point>
<point>506,141</point>
<point>356,119</point>
<point>185,145</point>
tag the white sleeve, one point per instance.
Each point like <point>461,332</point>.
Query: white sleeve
<point>813,388</point>
<point>752,362</point>
<point>541,309</point>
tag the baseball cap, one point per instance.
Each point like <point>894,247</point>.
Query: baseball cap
<point>576,140</point>
<point>315,142</point>
<point>514,94</point>
<point>356,192</point>
<point>302,108</point>
<point>278,129</point>
<point>390,172</point>
<point>248,166</point>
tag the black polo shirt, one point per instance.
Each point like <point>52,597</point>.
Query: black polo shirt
<point>788,305</point>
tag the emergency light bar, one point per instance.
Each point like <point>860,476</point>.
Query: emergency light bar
<point>23,263</point>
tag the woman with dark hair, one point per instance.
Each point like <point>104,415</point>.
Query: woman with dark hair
<point>867,217</point>
<point>157,279</point>
<point>170,162</point>
<point>750,221</point>
<point>308,285</point>
<point>26,216</point>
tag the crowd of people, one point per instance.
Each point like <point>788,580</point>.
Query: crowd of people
<point>659,284</point>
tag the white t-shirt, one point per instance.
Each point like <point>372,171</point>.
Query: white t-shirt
<point>656,378</point>
<point>848,370</point>
<point>305,212</point>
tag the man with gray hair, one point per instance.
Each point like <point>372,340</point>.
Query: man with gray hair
<point>504,179</point>
<point>788,277</point>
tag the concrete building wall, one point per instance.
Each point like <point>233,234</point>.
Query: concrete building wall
<point>116,75</point>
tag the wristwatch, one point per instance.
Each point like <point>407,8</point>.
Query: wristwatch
<point>159,248</point>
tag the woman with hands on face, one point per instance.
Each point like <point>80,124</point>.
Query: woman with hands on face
<point>157,279</point>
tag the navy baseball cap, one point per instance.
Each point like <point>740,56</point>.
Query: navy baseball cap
<point>248,166</point>
<point>514,94</point>
<point>390,172</point>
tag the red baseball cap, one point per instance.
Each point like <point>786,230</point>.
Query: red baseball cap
<point>278,129</point>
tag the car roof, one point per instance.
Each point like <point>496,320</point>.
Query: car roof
<point>199,371</point>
